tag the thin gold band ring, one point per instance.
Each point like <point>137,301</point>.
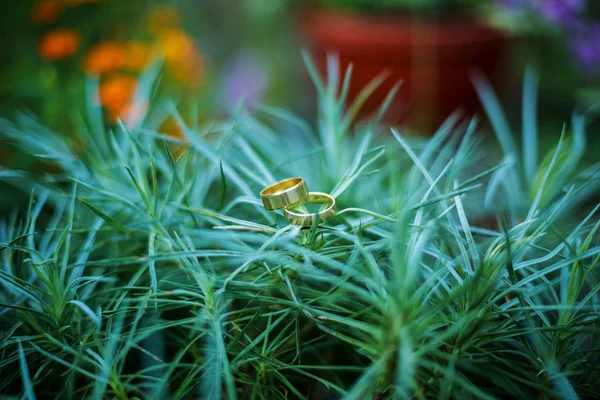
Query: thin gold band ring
<point>308,219</point>
<point>284,193</point>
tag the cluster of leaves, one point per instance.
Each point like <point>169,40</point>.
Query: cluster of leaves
<point>426,7</point>
<point>146,266</point>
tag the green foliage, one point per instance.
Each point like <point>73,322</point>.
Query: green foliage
<point>146,267</point>
<point>427,7</point>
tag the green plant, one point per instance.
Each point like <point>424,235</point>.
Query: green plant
<point>147,268</point>
<point>51,46</point>
<point>427,7</point>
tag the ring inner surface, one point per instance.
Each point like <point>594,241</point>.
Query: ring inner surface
<point>312,199</point>
<point>282,186</point>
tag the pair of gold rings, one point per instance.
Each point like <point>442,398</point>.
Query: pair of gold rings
<point>292,194</point>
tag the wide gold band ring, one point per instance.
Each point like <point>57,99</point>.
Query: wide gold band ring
<point>284,193</point>
<point>308,219</point>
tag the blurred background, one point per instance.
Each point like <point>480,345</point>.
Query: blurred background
<point>217,56</point>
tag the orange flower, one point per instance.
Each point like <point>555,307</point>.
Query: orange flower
<point>139,56</point>
<point>191,70</point>
<point>104,58</point>
<point>116,95</point>
<point>46,12</point>
<point>170,127</point>
<point>176,45</point>
<point>182,58</point>
<point>59,44</point>
<point>173,129</point>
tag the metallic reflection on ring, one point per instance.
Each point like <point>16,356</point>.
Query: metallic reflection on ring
<point>307,219</point>
<point>284,193</point>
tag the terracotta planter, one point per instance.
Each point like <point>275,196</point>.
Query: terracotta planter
<point>434,59</point>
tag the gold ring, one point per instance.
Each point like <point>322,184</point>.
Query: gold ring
<point>308,219</point>
<point>284,193</point>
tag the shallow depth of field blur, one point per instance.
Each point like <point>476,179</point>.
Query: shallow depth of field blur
<point>515,77</point>
<point>215,57</point>
<point>212,58</point>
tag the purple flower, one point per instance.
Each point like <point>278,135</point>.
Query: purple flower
<point>568,15</point>
<point>563,12</point>
<point>245,79</point>
<point>585,46</point>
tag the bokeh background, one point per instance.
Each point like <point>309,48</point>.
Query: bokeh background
<point>214,56</point>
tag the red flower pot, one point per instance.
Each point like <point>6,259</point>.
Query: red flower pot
<point>433,58</point>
